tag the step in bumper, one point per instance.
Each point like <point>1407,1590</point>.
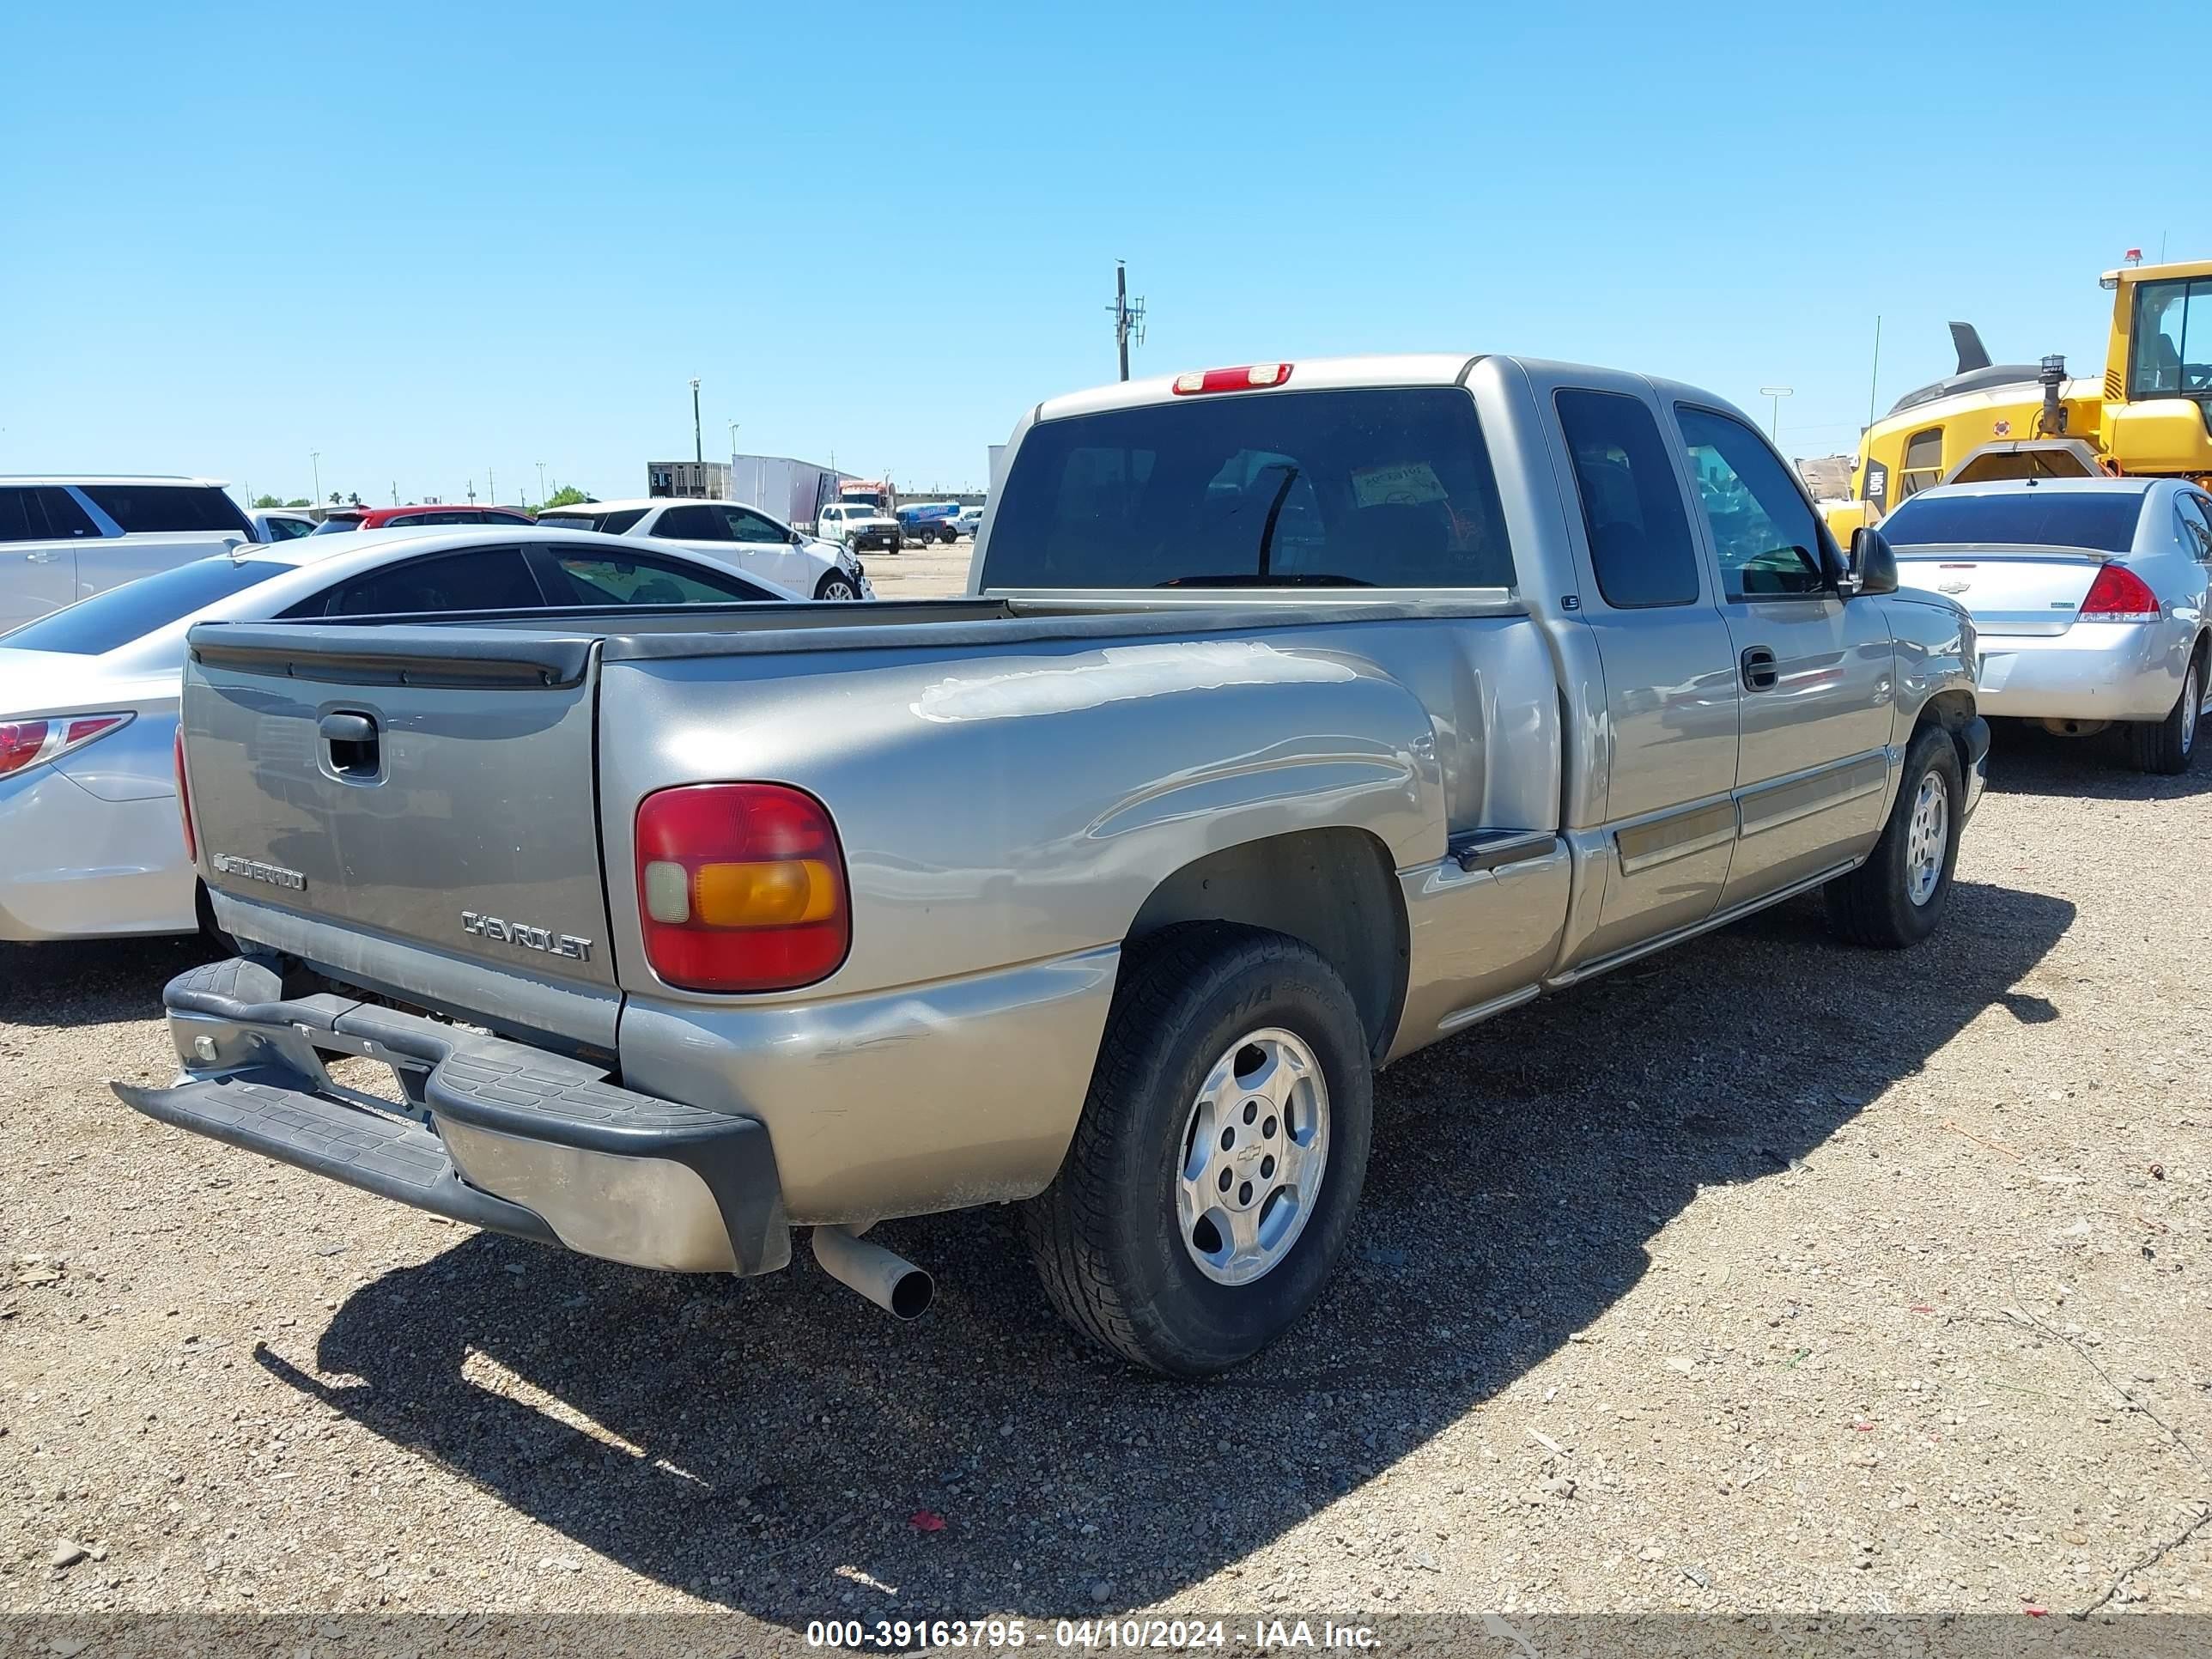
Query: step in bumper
<point>496,1133</point>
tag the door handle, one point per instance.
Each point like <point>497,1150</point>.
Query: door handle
<point>1758,671</point>
<point>351,746</point>
<point>42,556</point>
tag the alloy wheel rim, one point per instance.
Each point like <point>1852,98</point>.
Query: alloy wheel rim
<point>2191,702</point>
<point>1252,1155</point>
<point>838,591</point>
<point>1927,839</point>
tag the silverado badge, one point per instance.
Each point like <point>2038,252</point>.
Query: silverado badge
<point>254,870</point>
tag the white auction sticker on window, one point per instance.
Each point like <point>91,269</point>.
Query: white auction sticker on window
<point>1408,485</point>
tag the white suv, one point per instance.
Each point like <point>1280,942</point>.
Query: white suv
<point>63,540</point>
<point>745,537</point>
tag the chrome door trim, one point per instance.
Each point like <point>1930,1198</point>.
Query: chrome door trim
<point>1778,801</point>
<point>1674,834</point>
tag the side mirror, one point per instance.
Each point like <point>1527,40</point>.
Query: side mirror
<point>1873,562</point>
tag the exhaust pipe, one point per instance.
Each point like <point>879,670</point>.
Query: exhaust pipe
<point>891,1282</point>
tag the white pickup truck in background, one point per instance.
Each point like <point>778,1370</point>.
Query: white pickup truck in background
<point>64,539</point>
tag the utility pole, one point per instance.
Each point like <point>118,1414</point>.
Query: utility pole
<point>734,437</point>
<point>698,449</point>
<point>491,485</point>
<point>395,492</point>
<point>1774,420</point>
<point>472,492</point>
<point>1129,315</point>
<point>541,484</point>
<point>315,456</point>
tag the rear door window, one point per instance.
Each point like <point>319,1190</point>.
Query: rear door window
<point>1632,510</point>
<point>480,579</point>
<point>692,524</point>
<point>64,519</point>
<point>1385,487</point>
<point>1765,532</point>
<point>146,509</point>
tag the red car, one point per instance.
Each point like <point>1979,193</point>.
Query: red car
<point>425,516</point>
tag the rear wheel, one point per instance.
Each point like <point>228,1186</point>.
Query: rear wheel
<point>1218,1160</point>
<point>2168,745</point>
<point>1897,896</point>
<point>836,585</point>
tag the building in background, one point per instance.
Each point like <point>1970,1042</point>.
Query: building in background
<point>708,481</point>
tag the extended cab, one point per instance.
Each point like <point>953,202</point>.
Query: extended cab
<point>1300,716</point>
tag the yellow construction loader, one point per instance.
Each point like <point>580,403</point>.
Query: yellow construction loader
<point>2150,413</point>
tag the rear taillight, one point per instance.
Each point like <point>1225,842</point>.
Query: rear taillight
<point>184,800</point>
<point>740,887</point>
<point>2119,595</point>
<point>1246,379</point>
<point>26,743</point>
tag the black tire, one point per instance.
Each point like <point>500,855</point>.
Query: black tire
<point>1105,1235</point>
<point>2167,746</point>
<point>836,585</point>
<point>1874,904</point>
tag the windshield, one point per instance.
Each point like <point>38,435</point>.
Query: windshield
<point>2102,521</point>
<point>1380,488</point>
<point>107,621</point>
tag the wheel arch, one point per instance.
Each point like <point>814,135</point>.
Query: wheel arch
<point>1954,711</point>
<point>1333,889</point>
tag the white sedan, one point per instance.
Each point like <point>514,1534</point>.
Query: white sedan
<point>2089,595</point>
<point>729,531</point>
<point>90,843</point>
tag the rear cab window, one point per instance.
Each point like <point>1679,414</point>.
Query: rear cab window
<point>2095,520</point>
<point>1383,487</point>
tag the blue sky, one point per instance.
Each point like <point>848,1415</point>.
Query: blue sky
<point>433,241</point>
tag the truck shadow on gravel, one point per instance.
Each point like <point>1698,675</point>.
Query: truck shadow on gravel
<point>92,981</point>
<point>782,1447</point>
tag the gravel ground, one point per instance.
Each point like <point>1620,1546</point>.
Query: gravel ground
<point>1766,1274</point>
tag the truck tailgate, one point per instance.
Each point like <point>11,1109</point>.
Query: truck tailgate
<point>411,806</point>
<point>2037,592</point>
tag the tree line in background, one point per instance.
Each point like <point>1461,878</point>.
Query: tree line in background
<point>566,496</point>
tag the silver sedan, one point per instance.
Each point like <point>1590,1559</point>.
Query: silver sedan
<point>91,843</point>
<point>2089,595</point>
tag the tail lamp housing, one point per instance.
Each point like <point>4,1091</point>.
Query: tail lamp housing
<point>184,798</point>
<point>2119,595</point>
<point>26,743</point>
<point>741,887</point>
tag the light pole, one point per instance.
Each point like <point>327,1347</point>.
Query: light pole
<point>1774,419</point>
<point>698,449</point>
<point>315,457</point>
<point>734,437</point>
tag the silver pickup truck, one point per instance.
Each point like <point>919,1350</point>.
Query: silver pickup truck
<point>1299,716</point>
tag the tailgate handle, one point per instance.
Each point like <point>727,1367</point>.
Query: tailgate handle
<point>350,747</point>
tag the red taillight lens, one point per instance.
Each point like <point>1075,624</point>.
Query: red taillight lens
<point>20,743</point>
<point>27,742</point>
<point>740,887</point>
<point>1246,379</point>
<point>2119,595</point>
<point>184,800</point>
